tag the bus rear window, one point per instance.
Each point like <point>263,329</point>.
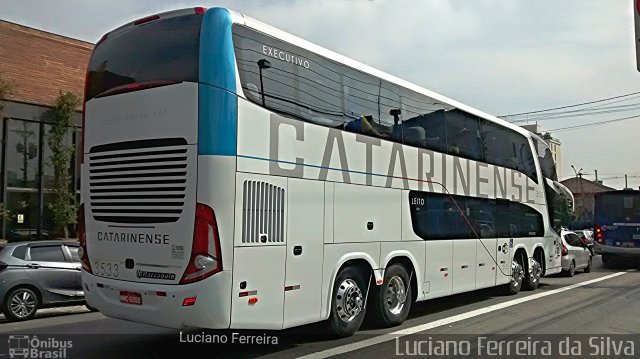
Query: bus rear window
<point>162,51</point>
<point>621,206</point>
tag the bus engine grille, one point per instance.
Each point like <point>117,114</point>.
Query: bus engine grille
<point>263,207</point>
<point>140,181</point>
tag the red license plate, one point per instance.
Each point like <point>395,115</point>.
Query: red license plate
<point>130,298</point>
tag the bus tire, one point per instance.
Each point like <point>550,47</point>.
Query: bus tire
<point>517,277</point>
<point>606,260</point>
<point>348,302</point>
<point>392,299</point>
<point>532,279</point>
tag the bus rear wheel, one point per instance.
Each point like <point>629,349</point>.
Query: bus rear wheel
<point>348,302</point>
<point>532,279</point>
<point>392,300</point>
<point>517,277</point>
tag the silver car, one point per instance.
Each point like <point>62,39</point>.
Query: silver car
<point>575,253</point>
<point>38,274</point>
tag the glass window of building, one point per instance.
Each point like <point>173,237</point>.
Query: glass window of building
<point>21,165</point>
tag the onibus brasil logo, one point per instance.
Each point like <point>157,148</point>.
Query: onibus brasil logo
<point>25,346</point>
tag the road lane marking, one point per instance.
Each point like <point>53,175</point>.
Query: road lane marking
<point>445,321</point>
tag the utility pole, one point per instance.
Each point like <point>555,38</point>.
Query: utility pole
<point>596,171</point>
<point>582,208</point>
<point>626,184</point>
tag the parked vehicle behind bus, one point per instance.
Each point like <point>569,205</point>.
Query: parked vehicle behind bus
<point>617,225</point>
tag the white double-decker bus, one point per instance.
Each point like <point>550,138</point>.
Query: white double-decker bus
<point>236,176</point>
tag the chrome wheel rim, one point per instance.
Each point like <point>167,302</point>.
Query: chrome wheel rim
<point>517,274</point>
<point>396,295</point>
<point>535,271</point>
<point>22,303</point>
<point>349,300</point>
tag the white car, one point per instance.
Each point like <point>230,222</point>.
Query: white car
<point>575,253</point>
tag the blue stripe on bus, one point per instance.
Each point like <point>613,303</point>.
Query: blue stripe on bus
<point>218,103</point>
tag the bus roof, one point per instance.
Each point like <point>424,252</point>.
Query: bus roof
<point>242,19</point>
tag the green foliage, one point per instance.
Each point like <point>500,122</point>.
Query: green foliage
<point>5,213</point>
<point>6,89</point>
<point>63,207</point>
<point>565,213</point>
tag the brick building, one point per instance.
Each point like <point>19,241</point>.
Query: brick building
<point>584,193</point>
<point>38,65</point>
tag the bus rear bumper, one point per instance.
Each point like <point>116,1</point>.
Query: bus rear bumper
<point>618,251</point>
<point>163,305</point>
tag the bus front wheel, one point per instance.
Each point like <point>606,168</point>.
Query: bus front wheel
<point>348,302</point>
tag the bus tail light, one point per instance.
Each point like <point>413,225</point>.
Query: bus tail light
<point>206,256</point>
<point>599,235</point>
<point>147,19</point>
<point>565,251</point>
<point>82,237</point>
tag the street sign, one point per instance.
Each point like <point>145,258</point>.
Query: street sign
<point>20,218</point>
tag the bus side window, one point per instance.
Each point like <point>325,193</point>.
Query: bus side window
<point>463,135</point>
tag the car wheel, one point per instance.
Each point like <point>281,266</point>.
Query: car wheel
<point>588,268</point>
<point>572,269</point>
<point>91,308</point>
<point>532,279</point>
<point>392,300</point>
<point>517,277</point>
<point>20,304</point>
<point>348,302</point>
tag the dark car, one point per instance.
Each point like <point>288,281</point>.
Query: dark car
<point>586,236</point>
<point>38,274</point>
<point>26,234</point>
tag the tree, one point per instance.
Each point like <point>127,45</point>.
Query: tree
<point>565,213</point>
<point>63,205</point>
<point>6,89</point>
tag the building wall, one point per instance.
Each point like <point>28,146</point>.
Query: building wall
<point>556,150</point>
<point>38,65</point>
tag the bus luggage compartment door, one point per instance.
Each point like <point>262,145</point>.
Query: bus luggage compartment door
<point>305,242</point>
<point>258,296</point>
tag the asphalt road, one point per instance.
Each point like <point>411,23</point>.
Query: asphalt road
<point>600,303</point>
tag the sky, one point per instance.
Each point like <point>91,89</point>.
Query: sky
<point>499,56</point>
